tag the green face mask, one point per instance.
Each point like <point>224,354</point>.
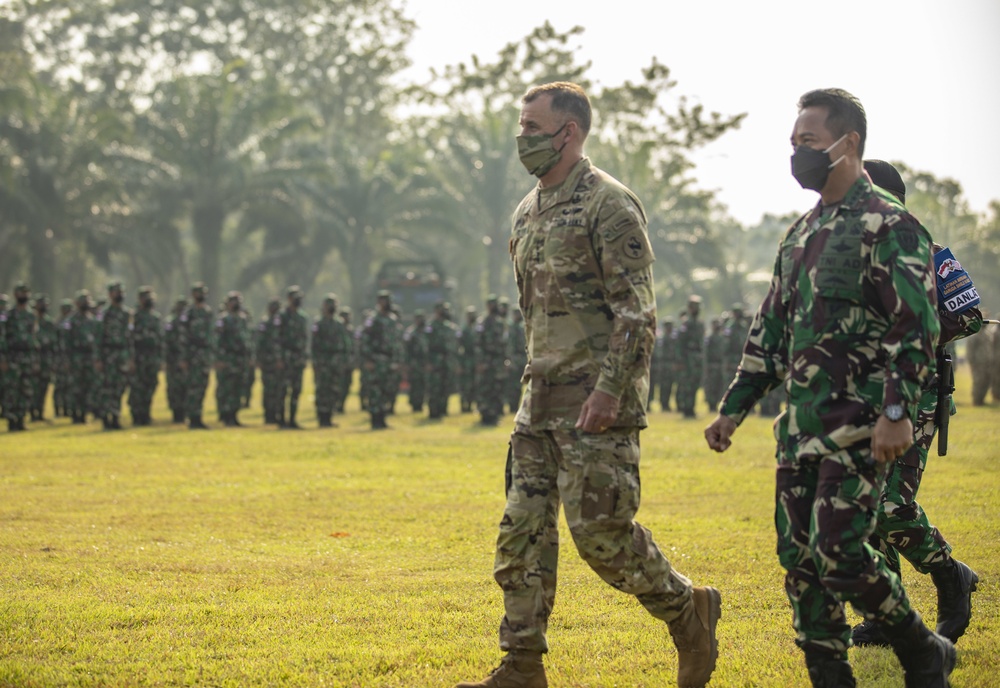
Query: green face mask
<point>537,154</point>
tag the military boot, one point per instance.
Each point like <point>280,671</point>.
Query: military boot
<point>955,583</point>
<point>694,635</point>
<point>178,416</point>
<point>927,657</point>
<point>293,409</point>
<point>234,420</point>
<point>517,669</point>
<point>195,424</point>
<point>828,670</point>
<point>869,634</point>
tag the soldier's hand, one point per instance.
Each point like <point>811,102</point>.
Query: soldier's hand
<point>890,440</point>
<point>99,366</point>
<point>599,412</point>
<point>719,434</point>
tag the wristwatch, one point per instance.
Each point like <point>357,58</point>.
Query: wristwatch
<point>894,412</point>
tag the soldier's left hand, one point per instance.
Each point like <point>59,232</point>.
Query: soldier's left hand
<point>890,440</point>
<point>599,412</point>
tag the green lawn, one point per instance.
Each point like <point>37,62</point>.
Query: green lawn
<point>161,556</point>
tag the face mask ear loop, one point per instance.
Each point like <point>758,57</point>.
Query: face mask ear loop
<point>832,146</point>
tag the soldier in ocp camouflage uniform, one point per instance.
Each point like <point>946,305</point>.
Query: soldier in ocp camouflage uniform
<point>232,338</point>
<point>115,357</point>
<point>583,267</point>
<point>18,357</point>
<point>147,343</point>
<point>690,357</point>
<point>268,356</point>
<point>197,326</point>
<point>380,359</point>
<point>48,357</point>
<point>415,357</point>
<point>467,361</point>
<point>442,354</point>
<point>849,325</point>
<point>173,355</point>
<point>293,343</point>
<point>491,363</point>
<point>332,346</point>
<point>80,333</point>
<point>61,365</point>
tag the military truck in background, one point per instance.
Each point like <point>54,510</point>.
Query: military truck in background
<point>413,284</point>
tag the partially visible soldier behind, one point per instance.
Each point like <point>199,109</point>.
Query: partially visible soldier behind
<point>116,362</point>
<point>18,357</point>
<point>350,363</point>
<point>80,332</point>
<point>293,343</point>
<point>735,333</point>
<point>250,372</point>
<point>716,377</point>
<point>995,369</point>
<point>979,352</point>
<point>61,364</point>
<point>442,355</point>
<point>415,358</point>
<point>268,356</point>
<point>491,359</point>
<point>380,356</point>
<point>332,346</point>
<point>147,343</point>
<point>690,357</point>
<point>902,527</point>
<point>173,355</point>
<point>48,357</point>
<point>3,345</point>
<point>197,351</point>
<point>666,347</point>
<point>517,357</point>
<point>232,337</point>
<point>467,361</point>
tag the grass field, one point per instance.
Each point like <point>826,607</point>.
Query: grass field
<point>253,556</point>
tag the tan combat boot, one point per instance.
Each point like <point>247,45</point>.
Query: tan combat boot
<point>516,670</point>
<point>694,635</point>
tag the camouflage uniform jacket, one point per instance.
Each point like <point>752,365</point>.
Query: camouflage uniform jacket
<point>583,266</point>
<point>79,335</point>
<point>442,343</point>
<point>378,340</point>
<point>19,332</point>
<point>233,340</point>
<point>849,323</point>
<point>115,331</point>
<point>332,342</point>
<point>196,330</point>
<point>172,350</point>
<point>266,341</point>
<point>147,334</point>
<point>293,338</point>
<point>48,339</point>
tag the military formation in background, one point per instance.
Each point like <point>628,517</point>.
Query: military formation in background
<point>92,354</point>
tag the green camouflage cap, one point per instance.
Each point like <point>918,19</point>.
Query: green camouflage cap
<point>21,285</point>
<point>234,296</point>
<point>503,301</point>
<point>145,289</point>
<point>115,284</point>
<point>293,290</point>
<point>83,295</point>
<point>419,313</point>
<point>199,287</point>
<point>330,299</point>
<point>694,298</point>
<point>383,294</point>
<point>180,301</point>
<point>274,302</point>
<point>346,310</point>
<point>66,303</point>
<point>471,310</point>
<point>668,321</point>
<point>737,307</point>
<point>492,298</point>
<point>42,298</point>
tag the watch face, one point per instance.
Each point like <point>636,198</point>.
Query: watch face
<point>894,412</point>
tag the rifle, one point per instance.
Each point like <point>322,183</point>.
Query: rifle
<point>946,386</point>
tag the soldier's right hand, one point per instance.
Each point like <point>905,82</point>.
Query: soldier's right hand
<point>719,433</point>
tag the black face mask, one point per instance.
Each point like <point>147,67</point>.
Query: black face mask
<point>22,300</point>
<point>811,167</point>
<point>117,298</point>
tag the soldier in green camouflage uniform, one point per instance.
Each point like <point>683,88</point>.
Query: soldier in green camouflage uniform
<point>666,347</point>
<point>583,266</point>
<point>48,357</point>
<point>61,364</point>
<point>903,527</point>
<point>690,357</point>
<point>979,352</point>
<point>350,363</point>
<point>268,355</point>
<point>332,346</point>
<point>293,344</point>
<point>467,361</point>
<point>116,361</point>
<point>849,326</point>
<point>442,355</point>
<point>197,347</point>
<point>250,372</point>
<point>491,363</point>
<point>80,333</point>
<point>18,357</point>
<point>518,358</point>
<point>3,344</point>
<point>232,345</point>
<point>415,358</point>
<point>380,359</point>
<point>147,343</point>
<point>173,355</point>
<point>716,378</point>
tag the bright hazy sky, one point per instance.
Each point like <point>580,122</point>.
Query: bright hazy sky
<point>927,72</point>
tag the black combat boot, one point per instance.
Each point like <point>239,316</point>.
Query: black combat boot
<point>116,423</point>
<point>927,657</point>
<point>178,416</point>
<point>829,670</point>
<point>324,420</point>
<point>234,420</point>
<point>869,634</point>
<point>955,583</point>
<point>293,409</point>
<point>517,670</point>
<point>195,424</point>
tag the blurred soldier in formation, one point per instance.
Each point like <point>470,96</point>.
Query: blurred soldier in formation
<point>147,343</point>
<point>80,333</point>
<point>48,357</point>
<point>735,332</point>
<point>268,356</point>
<point>18,357</point>
<point>116,362</point>
<point>491,358</point>
<point>250,372</point>
<point>3,343</point>
<point>442,356</point>
<point>197,352</point>
<point>332,346</point>
<point>350,362</point>
<point>60,364</point>
<point>173,355</point>
<point>467,361</point>
<point>690,357</point>
<point>415,357</point>
<point>995,369</point>
<point>293,341</point>
<point>232,337</point>
<point>666,349</point>
<point>716,375</point>
<point>517,352</point>
<point>380,357</point>
<point>979,352</point>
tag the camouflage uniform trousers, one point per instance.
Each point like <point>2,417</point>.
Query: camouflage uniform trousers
<point>271,389</point>
<point>491,393</point>
<point>688,382</point>
<point>344,387</point>
<point>417,377</point>
<point>59,387</point>
<point>381,384</point>
<point>825,511</point>
<point>83,387</point>
<point>230,379</point>
<point>668,384</point>
<point>17,384</point>
<point>902,526</point>
<point>114,381</point>
<point>290,387</point>
<point>439,386</point>
<point>467,384</point>
<point>597,479</point>
<point>195,384</point>
<point>144,383</point>
<point>176,388</point>
<point>328,378</point>
<point>41,382</point>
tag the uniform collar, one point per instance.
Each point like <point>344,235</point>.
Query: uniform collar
<point>551,197</point>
